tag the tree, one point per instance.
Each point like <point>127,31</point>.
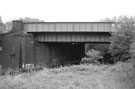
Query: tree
<point>2,26</point>
<point>28,19</point>
<point>122,38</point>
<point>8,26</point>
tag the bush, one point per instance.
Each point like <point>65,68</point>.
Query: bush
<point>93,56</point>
<point>121,39</point>
<point>132,50</point>
<point>104,51</point>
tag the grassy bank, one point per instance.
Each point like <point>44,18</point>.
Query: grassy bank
<point>118,76</point>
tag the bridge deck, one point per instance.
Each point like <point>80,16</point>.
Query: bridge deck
<point>73,37</point>
<point>69,26</point>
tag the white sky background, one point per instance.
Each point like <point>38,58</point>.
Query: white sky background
<point>65,10</point>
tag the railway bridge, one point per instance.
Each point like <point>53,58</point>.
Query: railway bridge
<point>47,42</point>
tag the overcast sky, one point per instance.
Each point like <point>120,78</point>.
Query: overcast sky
<point>65,10</point>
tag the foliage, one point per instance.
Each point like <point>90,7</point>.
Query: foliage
<point>118,76</point>
<point>104,51</point>
<point>93,56</point>
<point>8,25</point>
<point>132,50</point>
<point>29,19</point>
<point>2,26</point>
<point>122,45</point>
<point>100,47</point>
<point>122,38</point>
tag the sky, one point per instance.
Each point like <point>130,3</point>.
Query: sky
<point>65,10</point>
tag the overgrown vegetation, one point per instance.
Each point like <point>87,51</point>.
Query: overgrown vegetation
<point>93,56</point>
<point>122,39</point>
<point>122,47</point>
<point>102,53</point>
<point>118,76</point>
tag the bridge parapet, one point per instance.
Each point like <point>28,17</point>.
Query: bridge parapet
<point>69,27</point>
<point>67,31</point>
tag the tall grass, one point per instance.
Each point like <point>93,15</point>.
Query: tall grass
<point>119,76</point>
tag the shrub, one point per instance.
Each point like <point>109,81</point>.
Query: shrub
<point>121,39</point>
<point>132,50</point>
<point>93,56</point>
<point>104,51</point>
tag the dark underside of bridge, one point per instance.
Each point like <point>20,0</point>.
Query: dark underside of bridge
<point>60,53</point>
<point>64,48</point>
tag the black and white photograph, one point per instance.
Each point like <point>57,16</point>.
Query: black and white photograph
<point>67,44</point>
